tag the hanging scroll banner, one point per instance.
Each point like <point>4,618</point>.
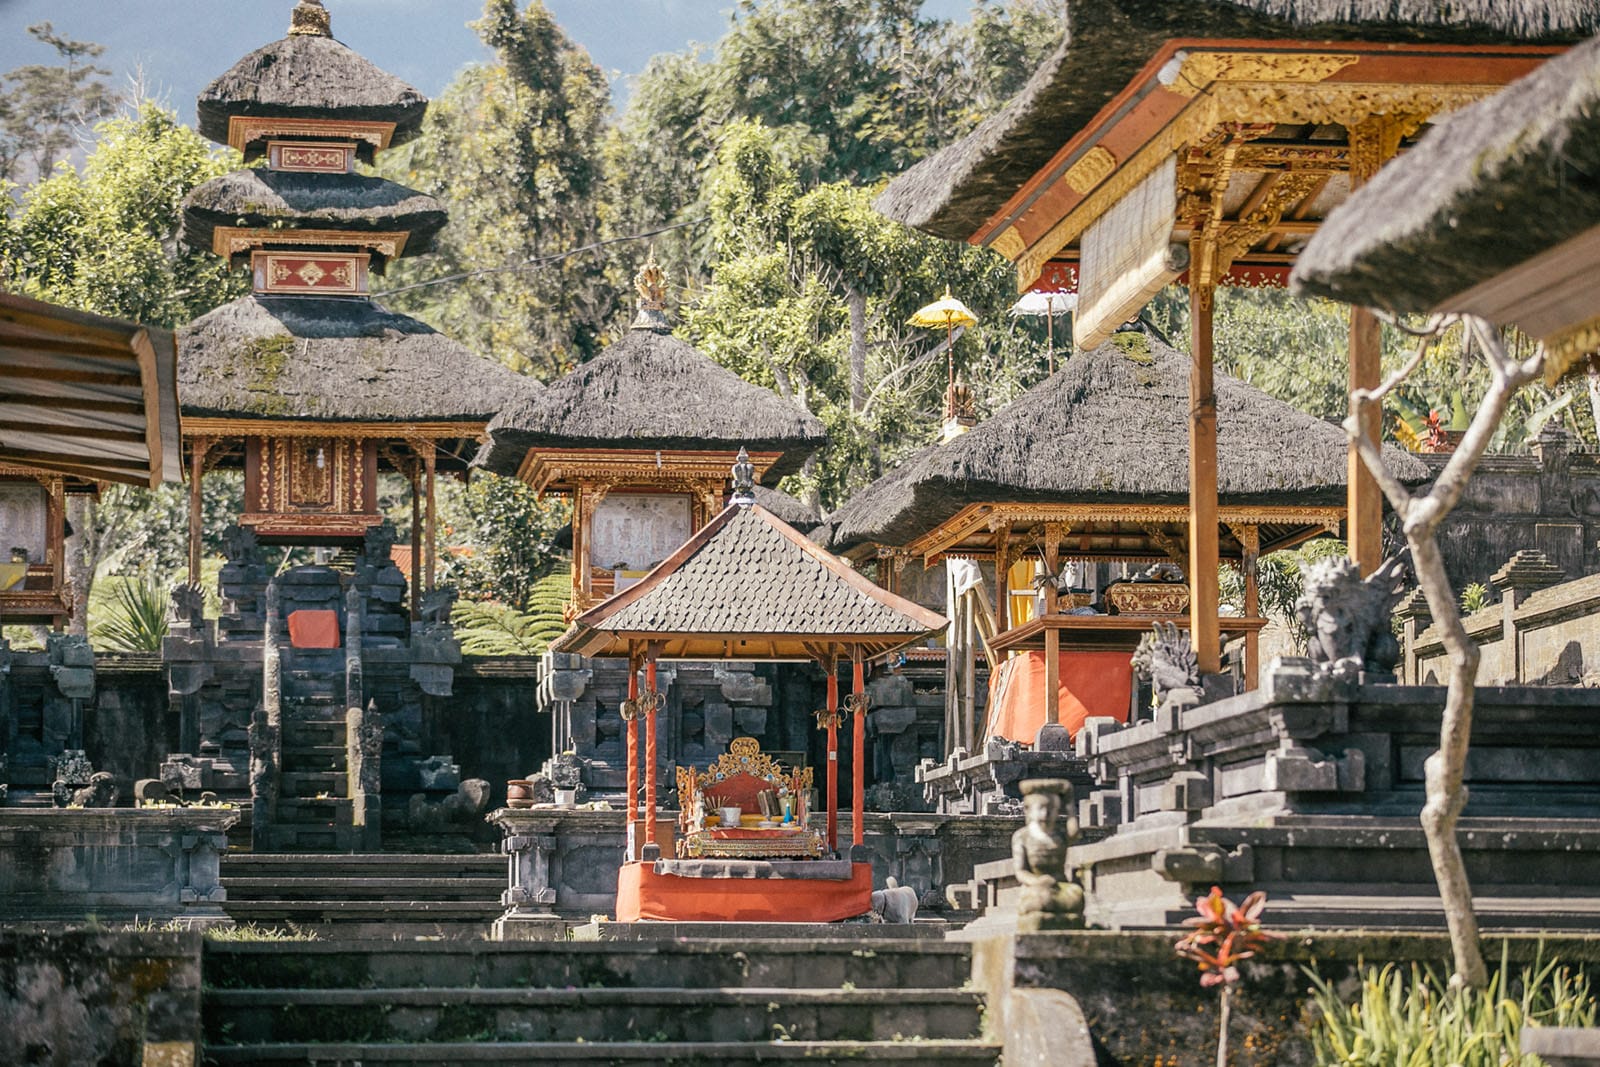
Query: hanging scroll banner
<point>1126,257</point>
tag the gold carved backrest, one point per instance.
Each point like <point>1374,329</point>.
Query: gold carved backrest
<point>743,761</point>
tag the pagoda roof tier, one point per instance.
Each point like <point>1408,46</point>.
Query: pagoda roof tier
<point>1108,431</point>
<point>305,359</point>
<point>748,586</point>
<point>1506,185</point>
<point>286,202</point>
<point>956,192</point>
<point>309,79</point>
<point>651,392</point>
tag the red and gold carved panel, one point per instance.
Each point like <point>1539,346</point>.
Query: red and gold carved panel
<point>311,274</point>
<point>311,157</point>
<point>316,486</point>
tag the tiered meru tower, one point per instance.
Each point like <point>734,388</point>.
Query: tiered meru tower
<point>315,391</point>
<point>307,384</point>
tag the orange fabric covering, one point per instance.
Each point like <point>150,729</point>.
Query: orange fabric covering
<point>314,629</point>
<point>1092,684</point>
<point>644,894</point>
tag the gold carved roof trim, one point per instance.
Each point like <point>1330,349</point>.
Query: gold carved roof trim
<point>194,427</point>
<point>229,241</point>
<point>244,130</point>
<point>1201,69</point>
<point>1341,103</point>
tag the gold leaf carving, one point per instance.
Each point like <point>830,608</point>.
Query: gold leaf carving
<point>1090,170</point>
<point>1009,243</point>
<point>1203,68</point>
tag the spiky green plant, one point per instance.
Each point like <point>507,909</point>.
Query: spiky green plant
<point>1412,1018</point>
<point>136,618</point>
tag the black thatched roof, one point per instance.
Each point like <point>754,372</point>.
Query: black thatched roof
<point>269,198</point>
<point>1487,188</point>
<point>299,358</point>
<point>305,76</point>
<point>1106,42</point>
<point>653,391</point>
<point>1111,426</point>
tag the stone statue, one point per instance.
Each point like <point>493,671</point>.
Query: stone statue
<point>1050,899</point>
<point>1346,619</point>
<point>101,792</point>
<point>1166,660</point>
<point>541,789</point>
<point>239,545</point>
<point>464,806</point>
<point>438,603</point>
<point>375,545</point>
<point>895,902</point>
<point>187,605</point>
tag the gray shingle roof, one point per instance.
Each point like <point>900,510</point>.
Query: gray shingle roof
<point>749,573</point>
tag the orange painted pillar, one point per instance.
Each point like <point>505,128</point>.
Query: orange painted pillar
<point>859,775</point>
<point>633,753</point>
<point>650,752</point>
<point>833,757</point>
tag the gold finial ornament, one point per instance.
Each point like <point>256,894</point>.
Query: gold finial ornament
<point>310,19</point>
<point>651,282</point>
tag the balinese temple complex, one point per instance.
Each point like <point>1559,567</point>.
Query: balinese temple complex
<point>1090,551</point>
<point>1201,147</point>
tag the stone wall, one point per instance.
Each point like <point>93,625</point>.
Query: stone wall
<point>82,997</point>
<point>1145,1007</point>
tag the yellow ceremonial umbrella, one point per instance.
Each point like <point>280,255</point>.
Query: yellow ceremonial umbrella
<point>948,312</point>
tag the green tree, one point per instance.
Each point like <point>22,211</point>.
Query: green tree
<point>509,534</point>
<point>106,240</point>
<point>43,107</point>
<point>513,150</point>
<point>810,295</point>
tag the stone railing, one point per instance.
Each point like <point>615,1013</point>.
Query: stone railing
<point>113,864</point>
<point>1543,631</point>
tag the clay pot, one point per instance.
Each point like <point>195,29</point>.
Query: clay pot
<point>519,789</point>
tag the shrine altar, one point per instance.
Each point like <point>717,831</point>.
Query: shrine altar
<point>768,891</point>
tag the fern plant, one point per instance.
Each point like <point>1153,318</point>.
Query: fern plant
<point>136,618</point>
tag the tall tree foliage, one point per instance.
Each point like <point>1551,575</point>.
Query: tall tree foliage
<point>810,293</point>
<point>513,150</point>
<point>106,240</point>
<point>42,106</point>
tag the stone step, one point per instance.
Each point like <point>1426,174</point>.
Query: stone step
<point>312,809</point>
<point>310,783</point>
<point>484,889</point>
<point>553,1054</point>
<point>313,757</point>
<point>592,1015</point>
<point>856,957</point>
<point>275,912</point>
<point>378,864</point>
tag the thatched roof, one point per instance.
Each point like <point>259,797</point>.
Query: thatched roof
<point>749,586</point>
<point>1486,189</point>
<point>1106,42</point>
<point>653,391</point>
<point>305,76</point>
<point>1111,426</point>
<point>334,360</point>
<point>291,201</point>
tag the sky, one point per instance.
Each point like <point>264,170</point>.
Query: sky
<point>181,45</point>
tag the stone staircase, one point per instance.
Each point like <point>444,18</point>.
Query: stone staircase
<point>313,812</point>
<point>726,1002</point>
<point>380,895</point>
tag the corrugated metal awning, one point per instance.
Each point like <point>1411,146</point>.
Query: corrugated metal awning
<point>86,395</point>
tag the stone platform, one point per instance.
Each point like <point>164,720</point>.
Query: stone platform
<point>1312,792</point>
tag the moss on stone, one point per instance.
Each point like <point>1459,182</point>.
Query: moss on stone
<point>1136,346</point>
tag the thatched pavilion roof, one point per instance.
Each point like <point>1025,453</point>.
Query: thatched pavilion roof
<point>334,360</point>
<point>1486,189</point>
<point>1106,42</point>
<point>307,76</point>
<point>653,391</point>
<point>292,201</point>
<point>749,586</point>
<point>1111,426</point>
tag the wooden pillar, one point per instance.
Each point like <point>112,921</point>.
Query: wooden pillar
<point>832,667</point>
<point>416,543</point>
<point>197,466</point>
<point>1204,595</point>
<point>1002,582</point>
<point>631,714</point>
<point>1373,142</point>
<point>651,700</point>
<point>430,566</point>
<point>1053,533</point>
<point>1250,540</point>
<point>858,775</point>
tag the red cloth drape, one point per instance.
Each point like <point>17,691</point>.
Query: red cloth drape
<point>1092,684</point>
<point>644,894</point>
<point>314,629</point>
